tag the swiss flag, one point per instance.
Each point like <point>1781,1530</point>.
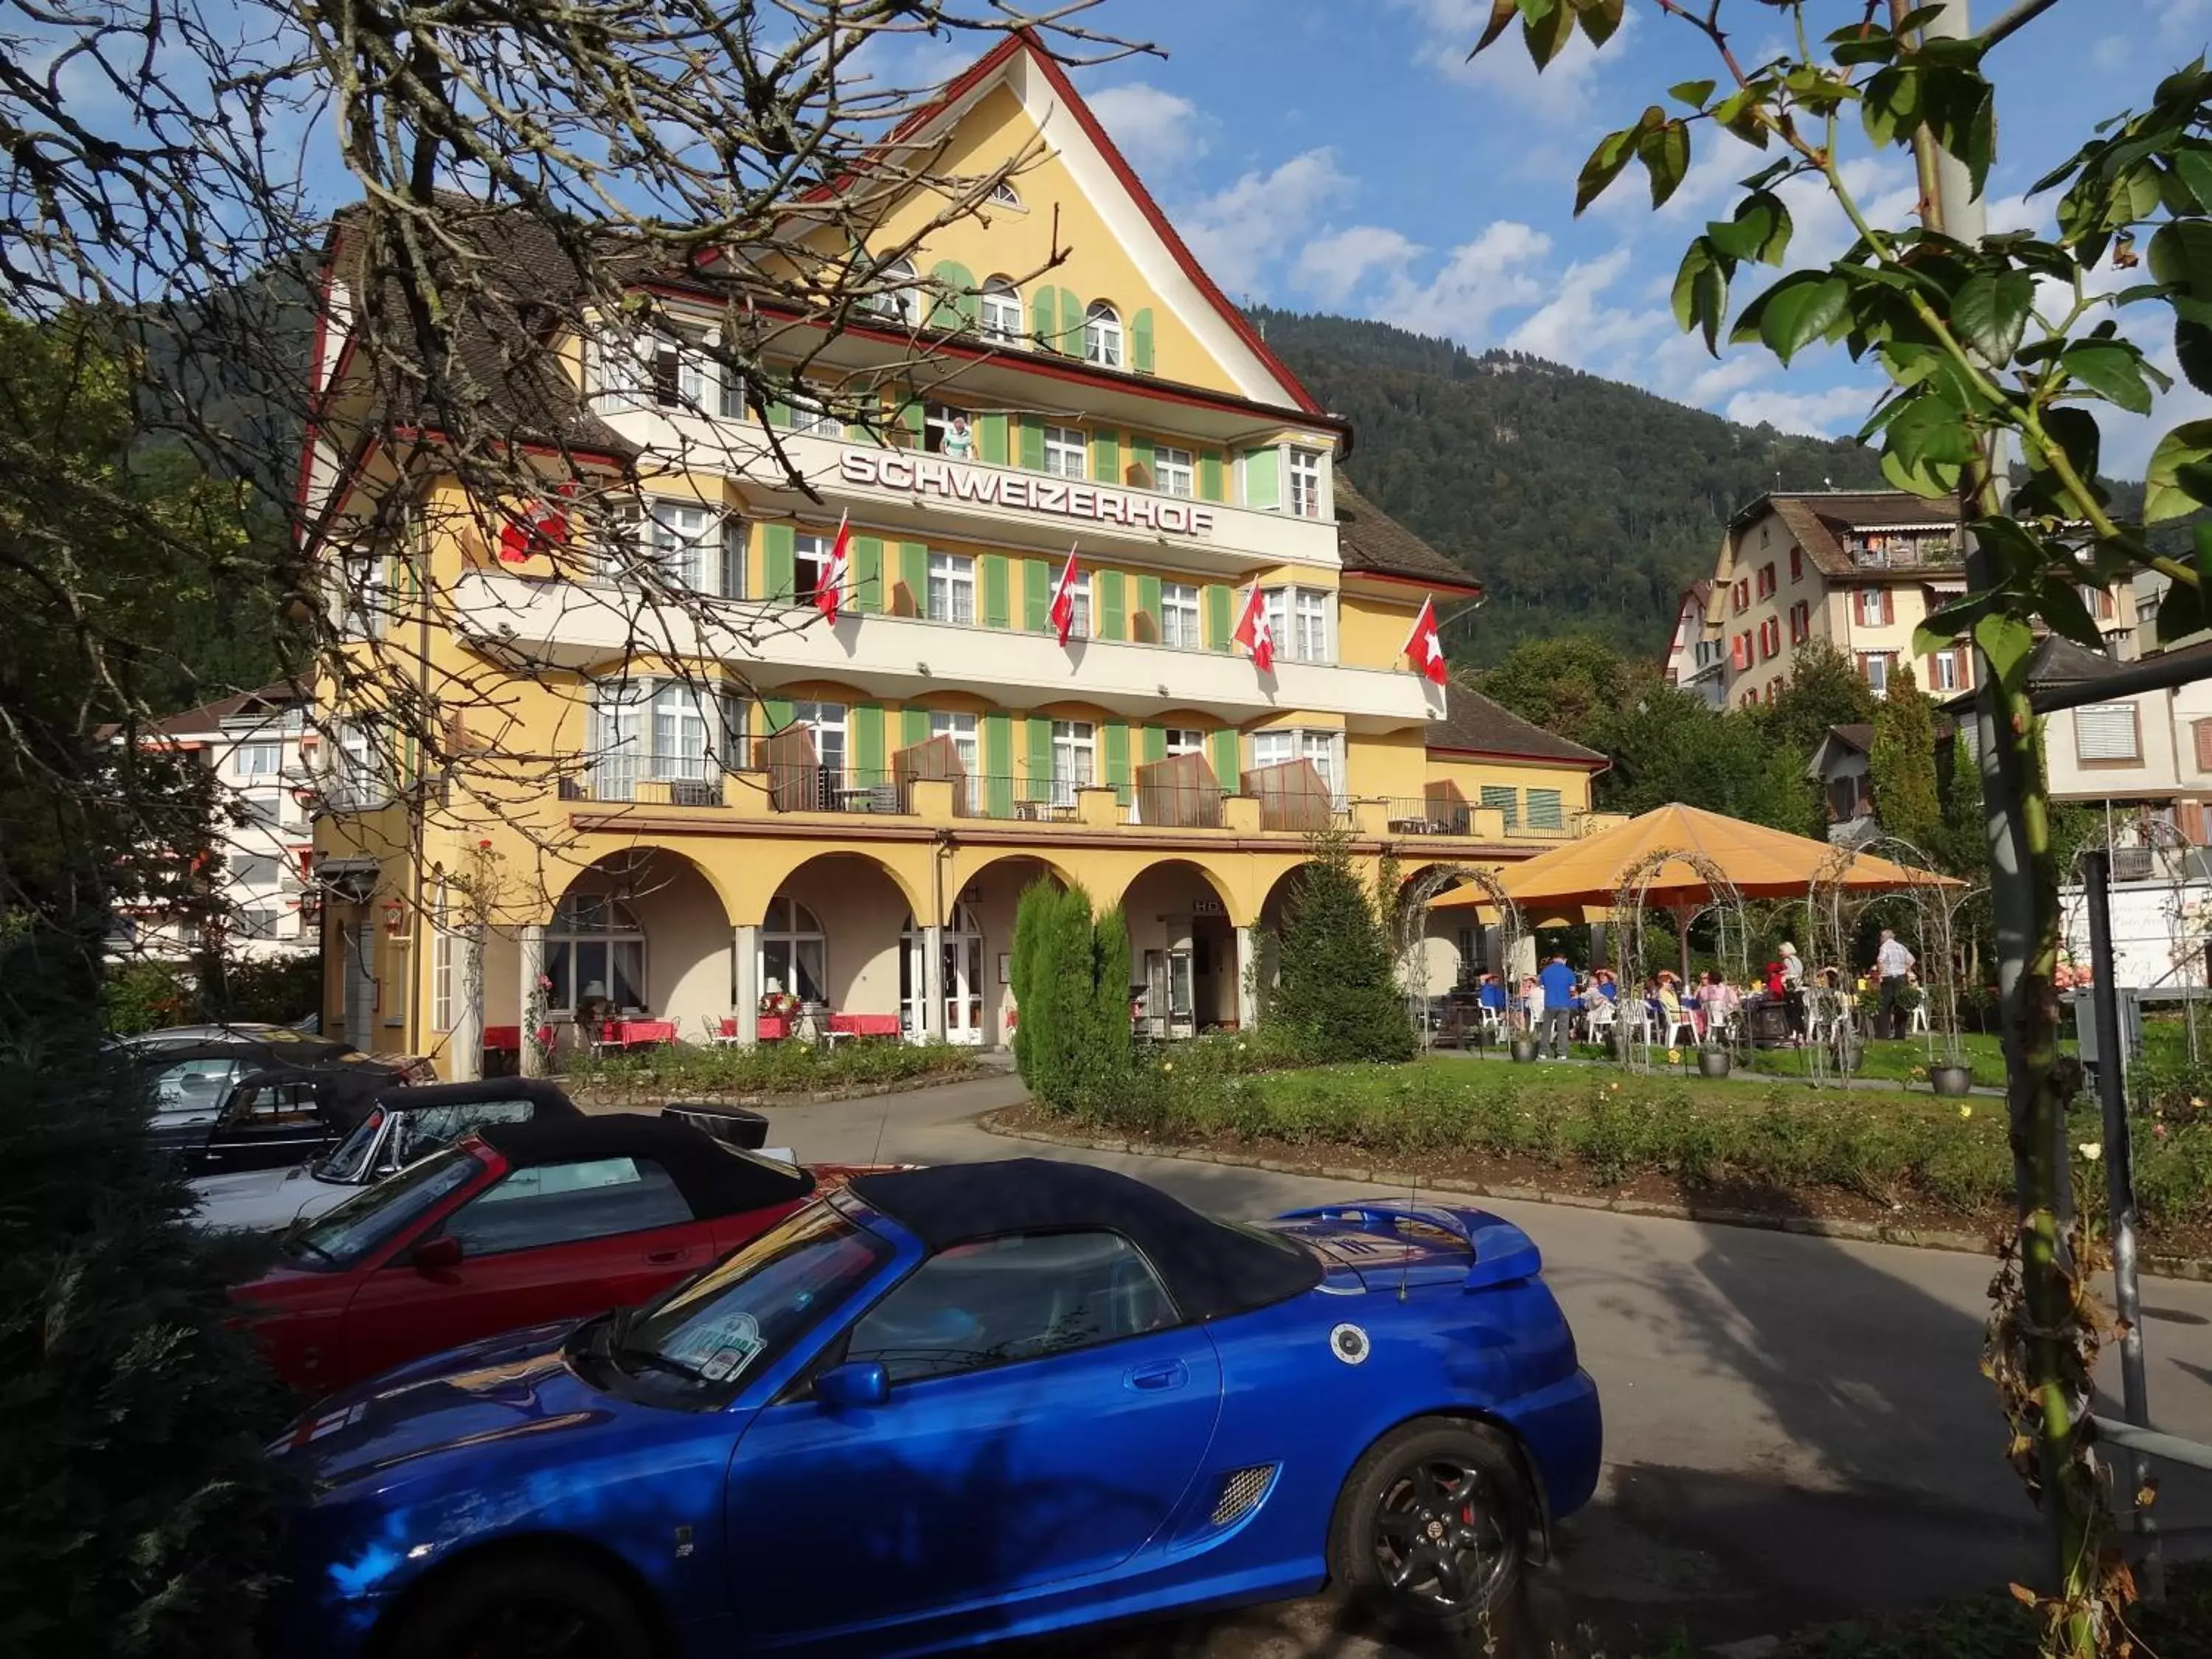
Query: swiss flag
<point>534,531</point>
<point>1254,633</point>
<point>835,572</point>
<point>1063,598</point>
<point>1424,646</point>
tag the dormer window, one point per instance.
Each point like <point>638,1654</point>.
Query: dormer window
<point>1102,335</point>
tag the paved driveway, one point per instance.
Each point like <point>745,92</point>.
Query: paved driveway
<point>1795,1428</point>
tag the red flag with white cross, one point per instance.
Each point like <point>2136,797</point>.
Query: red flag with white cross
<point>831,586</point>
<point>1425,646</point>
<point>1254,631</point>
<point>1063,597</point>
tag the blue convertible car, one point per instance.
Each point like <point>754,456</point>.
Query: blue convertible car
<point>945,1406</point>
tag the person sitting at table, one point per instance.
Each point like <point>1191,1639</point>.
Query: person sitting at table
<point>1607,985</point>
<point>1532,1004</point>
<point>1669,1004</point>
<point>1492,994</point>
<point>1718,1002</point>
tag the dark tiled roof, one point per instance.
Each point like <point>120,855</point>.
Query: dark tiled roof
<point>1817,521</point>
<point>210,716</point>
<point>1475,725</point>
<point>1372,542</point>
<point>1858,734</point>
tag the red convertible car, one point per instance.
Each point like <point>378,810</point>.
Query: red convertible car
<point>518,1224</point>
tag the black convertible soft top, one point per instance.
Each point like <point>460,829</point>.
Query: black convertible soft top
<point>1211,1268</point>
<point>546,1099</point>
<point>715,1179</point>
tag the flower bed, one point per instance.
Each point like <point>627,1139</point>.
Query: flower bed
<point>677,1071</point>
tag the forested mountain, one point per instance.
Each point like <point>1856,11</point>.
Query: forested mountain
<point>1583,505</point>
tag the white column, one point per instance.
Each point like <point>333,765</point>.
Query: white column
<point>530,948</point>
<point>932,983</point>
<point>465,1042</point>
<point>745,953</point>
<point>1247,1004</point>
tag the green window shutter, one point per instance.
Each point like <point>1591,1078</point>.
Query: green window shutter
<point>957,307</point>
<point>997,574</point>
<point>1036,595</point>
<point>1140,340</point>
<point>1041,319</point>
<point>868,573</point>
<point>1039,766</point>
<point>1210,480</point>
<point>1217,617</point>
<point>1113,617</point>
<point>914,576</point>
<point>866,722</point>
<point>1032,455</point>
<point>1261,485</point>
<point>1151,744</point>
<point>1140,454</point>
<point>914,726</point>
<point>993,445</point>
<point>998,759</point>
<point>776,711</point>
<point>1148,606</point>
<point>1071,322</point>
<point>910,417</point>
<point>1506,799</point>
<point>1544,811</point>
<point>1106,457</point>
<point>782,578</point>
<point>779,412</point>
<point>1226,772</point>
<point>1117,755</point>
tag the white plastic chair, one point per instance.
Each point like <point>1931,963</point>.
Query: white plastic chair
<point>1598,1021</point>
<point>1917,1021</point>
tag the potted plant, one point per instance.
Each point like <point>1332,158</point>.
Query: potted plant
<point>1951,1078</point>
<point>1524,1048</point>
<point>1714,1060</point>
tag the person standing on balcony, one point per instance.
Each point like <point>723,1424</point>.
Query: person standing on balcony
<point>1892,962</point>
<point>1558,982</point>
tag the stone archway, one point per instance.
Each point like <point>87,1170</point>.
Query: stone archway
<point>1187,955</point>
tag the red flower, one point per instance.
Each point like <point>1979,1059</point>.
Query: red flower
<point>483,847</point>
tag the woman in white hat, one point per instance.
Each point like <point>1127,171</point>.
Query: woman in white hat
<point>1793,991</point>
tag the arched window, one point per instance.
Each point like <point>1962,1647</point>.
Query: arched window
<point>999,312</point>
<point>898,297</point>
<point>1005,195</point>
<point>595,948</point>
<point>1102,335</point>
<point>793,951</point>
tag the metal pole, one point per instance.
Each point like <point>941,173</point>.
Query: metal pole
<point>2120,1185</point>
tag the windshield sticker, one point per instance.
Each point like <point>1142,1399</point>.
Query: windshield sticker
<point>720,1348</point>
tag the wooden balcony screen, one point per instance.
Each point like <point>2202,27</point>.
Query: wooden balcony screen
<point>795,770</point>
<point>937,759</point>
<point>1446,806</point>
<point>1179,792</point>
<point>1293,796</point>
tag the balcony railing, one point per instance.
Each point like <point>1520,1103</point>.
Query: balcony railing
<point>1158,806</point>
<point>1419,815</point>
<point>1903,552</point>
<point>804,788</point>
<point>608,783</point>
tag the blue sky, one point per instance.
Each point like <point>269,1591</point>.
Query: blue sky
<point>1341,156</point>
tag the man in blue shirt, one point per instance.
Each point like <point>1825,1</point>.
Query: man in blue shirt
<point>1558,982</point>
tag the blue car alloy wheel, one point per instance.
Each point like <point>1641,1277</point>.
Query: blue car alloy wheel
<point>1431,1528</point>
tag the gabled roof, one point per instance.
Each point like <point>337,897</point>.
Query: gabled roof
<point>1853,736</point>
<point>1020,47</point>
<point>1817,521</point>
<point>1476,726</point>
<point>1371,542</point>
<point>209,717</point>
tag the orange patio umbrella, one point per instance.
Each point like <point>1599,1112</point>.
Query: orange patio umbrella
<point>1762,863</point>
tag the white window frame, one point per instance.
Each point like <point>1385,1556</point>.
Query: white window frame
<point>1066,453</point>
<point>356,781</point>
<point>1102,335</point>
<point>1304,623</point>
<point>1885,663</point>
<point>1005,195</point>
<point>999,312</point>
<point>809,553</point>
<point>902,302</point>
<point>951,588</point>
<point>966,732</point>
<point>826,720</point>
<point>810,415</point>
<point>1079,595</point>
<point>258,749</point>
<point>674,535</point>
<point>1320,744</point>
<point>1946,671</point>
<point>1185,740</point>
<point>1175,471</point>
<point>1074,759</point>
<point>441,962</point>
<point>1180,622</point>
<point>663,729</point>
<point>1301,494</point>
<point>795,927</point>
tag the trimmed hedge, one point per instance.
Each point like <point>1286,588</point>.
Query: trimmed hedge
<point>766,1068</point>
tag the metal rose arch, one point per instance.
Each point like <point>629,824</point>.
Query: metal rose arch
<point>1414,929</point>
<point>1834,909</point>
<point>1632,906</point>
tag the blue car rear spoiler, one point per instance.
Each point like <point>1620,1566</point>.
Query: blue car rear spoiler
<point>1503,1252</point>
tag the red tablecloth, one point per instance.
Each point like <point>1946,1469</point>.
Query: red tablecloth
<point>772,1026</point>
<point>867,1025</point>
<point>635,1033</point>
<point>510,1037</point>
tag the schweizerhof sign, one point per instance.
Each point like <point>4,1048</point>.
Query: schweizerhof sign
<point>988,487</point>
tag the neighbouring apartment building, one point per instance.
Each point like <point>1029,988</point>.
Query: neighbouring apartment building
<point>1857,570</point>
<point>257,745</point>
<point>846,812</point>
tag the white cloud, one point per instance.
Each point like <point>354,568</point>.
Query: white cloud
<point>1452,27</point>
<point>2180,19</point>
<point>1731,373</point>
<point>1821,414</point>
<point>1577,327</point>
<point>1237,232</point>
<point>1499,270</point>
<point>1156,130</point>
<point>2111,52</point>
<point>1332,266</point>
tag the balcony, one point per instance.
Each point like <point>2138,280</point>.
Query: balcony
<point>1936,549</point>
<point>580,625</point>
<point>897,491</point>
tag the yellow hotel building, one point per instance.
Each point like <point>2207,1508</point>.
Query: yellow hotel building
<point>761,801</point>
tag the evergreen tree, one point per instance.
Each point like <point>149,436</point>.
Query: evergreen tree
<point>1902,764</point>
<point>1108,1052</point>
<point>1074,972</point>
<point>1030,915</point>
<point>1336,989</point>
